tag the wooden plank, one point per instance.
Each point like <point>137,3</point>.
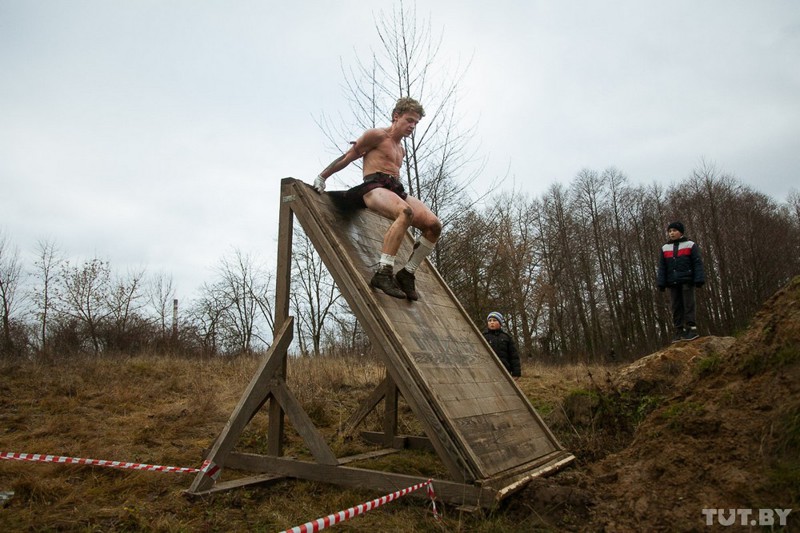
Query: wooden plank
<point>509,480</point>
<point>390,413</point>
<point>400,442</point>
<point>302,423</point>
<point>366,407</point>
<point>561,460</point>
<point>359,478</point>
<point>464,407</point>
<point>373,318</point>
<point>367,455</point>
<point>504,440</point>
<point>239,483</point>
<point>283,273</point>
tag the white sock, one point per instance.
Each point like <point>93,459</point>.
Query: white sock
<point>387,260</point>
<point>421,251</point>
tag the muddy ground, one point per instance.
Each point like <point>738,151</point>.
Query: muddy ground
<point>718,438</point>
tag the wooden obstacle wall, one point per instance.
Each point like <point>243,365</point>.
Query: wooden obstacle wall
<point>434,352</point>
<point>474,416</point>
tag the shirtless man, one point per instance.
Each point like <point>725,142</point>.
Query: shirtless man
<point>382,191</point>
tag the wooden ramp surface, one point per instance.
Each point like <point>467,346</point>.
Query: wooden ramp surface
<point>476,417</point>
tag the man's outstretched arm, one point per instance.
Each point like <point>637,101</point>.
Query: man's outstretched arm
<point>336,165</point>
<point>359,148</point>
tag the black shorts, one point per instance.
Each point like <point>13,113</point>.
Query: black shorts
<point>375,181</point>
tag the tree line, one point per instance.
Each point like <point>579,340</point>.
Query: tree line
<point>59,307</point>
<point>574,269</point>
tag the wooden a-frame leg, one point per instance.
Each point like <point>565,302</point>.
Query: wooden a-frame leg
<point>252,399</point>
<point>364,409</point>
<point>390,413</point>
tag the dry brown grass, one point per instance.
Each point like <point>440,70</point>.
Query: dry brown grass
<point>165,411</point>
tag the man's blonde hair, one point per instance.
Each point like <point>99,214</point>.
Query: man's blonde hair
<point>406,105</point>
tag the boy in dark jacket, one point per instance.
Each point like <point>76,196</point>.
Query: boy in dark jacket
<point>681,269</point>
<point>502,343</point>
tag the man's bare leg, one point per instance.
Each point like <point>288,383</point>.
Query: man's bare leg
<point>430,229</point>
<point>388,204</point>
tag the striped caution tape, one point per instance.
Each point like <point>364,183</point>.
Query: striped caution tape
<point>332,519</point>
<point>209,468</point>
<point>213,471</point>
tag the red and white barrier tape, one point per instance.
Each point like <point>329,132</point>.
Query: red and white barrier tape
<point>213,471</point>
<point>321,523</point>
<point>209,468</point>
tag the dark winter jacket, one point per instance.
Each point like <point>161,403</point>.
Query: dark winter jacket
<point>503,345</point>
<point>680,263</point>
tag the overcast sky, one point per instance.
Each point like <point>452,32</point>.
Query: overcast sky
<point>155,133</point>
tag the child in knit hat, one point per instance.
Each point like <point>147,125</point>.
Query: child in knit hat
<point>680,268</point>
<point>502,343</point>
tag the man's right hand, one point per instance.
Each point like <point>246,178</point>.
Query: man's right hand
<point>319,184</point>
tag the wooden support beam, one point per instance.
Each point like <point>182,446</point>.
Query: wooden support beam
<point>302,423</point>
<point>390,413</point>
<point>359,478</point>
<point>364,409</point>
<point>252,398</point>
<point>400,442</point>
<point>283,283</point>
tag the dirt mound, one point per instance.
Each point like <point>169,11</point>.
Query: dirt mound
<point>727,438</point>
<point>673,367</point>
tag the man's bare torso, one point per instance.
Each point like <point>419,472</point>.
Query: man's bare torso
<point>382,152</point>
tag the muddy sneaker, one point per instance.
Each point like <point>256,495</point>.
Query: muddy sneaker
<point>405,280</point>
<point>690,334</point>
<point>384,281</point>
<point>679,336</point>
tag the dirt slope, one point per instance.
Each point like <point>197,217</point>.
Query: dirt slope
<point>727,436</point>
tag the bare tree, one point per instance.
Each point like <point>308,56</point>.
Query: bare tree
<point>467,261</point>
<point>243,290</point>
<point>47,263</point>
<point>793,214</point>
<point>125,300</point>
<point>313,296</point>
<point>642,212</point>
<point>793,201</point>
<point>85,295</point>
<point>206,317</point>
<point>517,278</point>
<point>160,297</point>
<point>10,278</point>
<point>440,164</point>
<point>346,337</point>
<point>576,269</point>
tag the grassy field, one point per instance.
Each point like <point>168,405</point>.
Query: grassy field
<point>165,411</point>
<point>707,424</point>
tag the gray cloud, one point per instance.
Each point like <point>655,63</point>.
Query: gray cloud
<point>156,133</point>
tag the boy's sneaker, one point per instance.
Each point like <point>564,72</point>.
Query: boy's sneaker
<point>679,336</point>
<point>405,280</point>
<point>690,334</point>
<point>384,281</point>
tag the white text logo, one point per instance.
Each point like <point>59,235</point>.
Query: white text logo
<point>746,517</point>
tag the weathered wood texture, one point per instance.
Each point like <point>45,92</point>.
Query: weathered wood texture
<point>476,417</point>
<point>359,478</point>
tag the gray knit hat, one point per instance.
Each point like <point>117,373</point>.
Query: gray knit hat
<point>497,316</point>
